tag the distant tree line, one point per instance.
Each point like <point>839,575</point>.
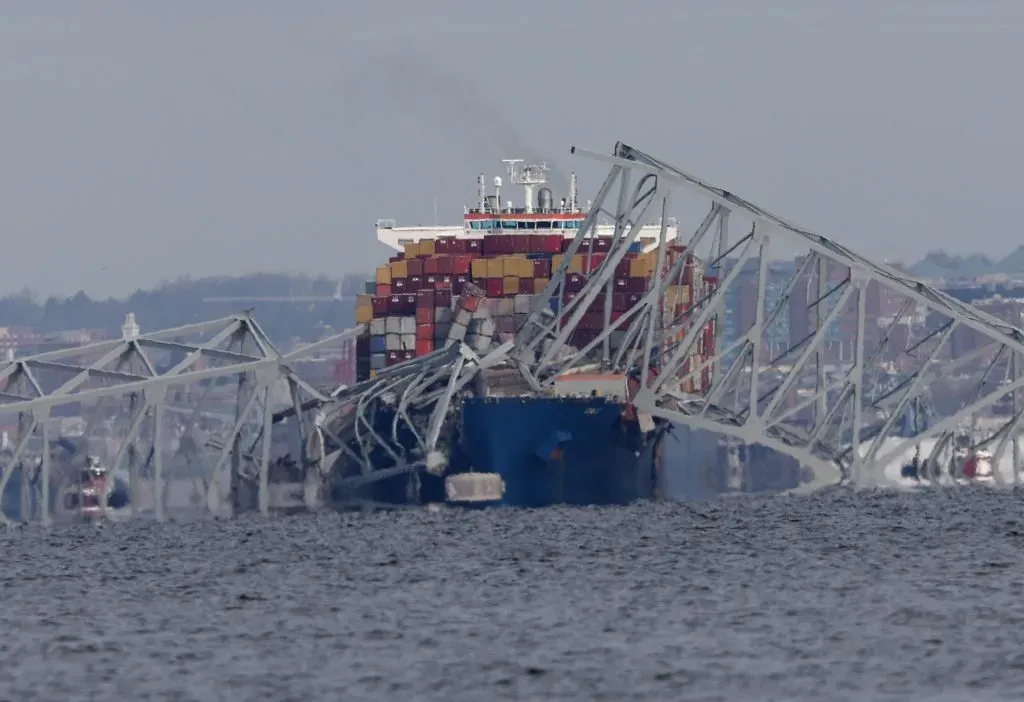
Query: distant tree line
<point>182,301</point>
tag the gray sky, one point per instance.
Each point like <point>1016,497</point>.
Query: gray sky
<point>159,138</point>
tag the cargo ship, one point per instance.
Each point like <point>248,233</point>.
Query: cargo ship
<point>474,283</point>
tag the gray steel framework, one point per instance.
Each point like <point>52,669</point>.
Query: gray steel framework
<point>798,399</point>
<point>141,377</point>
<point>794,397</point>
<point>777,381</point>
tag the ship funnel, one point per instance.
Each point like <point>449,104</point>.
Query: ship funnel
<point>545,200</point>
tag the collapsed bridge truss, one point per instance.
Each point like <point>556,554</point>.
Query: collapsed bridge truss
<point>848,366</point>
<point>828,359</point>
<point>195,397</point>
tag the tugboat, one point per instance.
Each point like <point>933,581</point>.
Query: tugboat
<point>96,494</point>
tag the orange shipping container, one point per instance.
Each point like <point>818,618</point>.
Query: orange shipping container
<point>495,267</point>
<point>426,247</point>
<point>412,249</point>
<point>399,269</point>
<point>510,285</point>
<point>480,268</point>
<point>383,275</point>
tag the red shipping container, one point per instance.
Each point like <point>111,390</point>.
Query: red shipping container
<point>457,247</point>
<point>380,306</point>
<point>442,298</point>
<point>383,290</point>
<point>415,283</point>
<point>430,281</point>
<point>603,244</point>
<point>526,286</point>
<point>474,246</point>
<point>507,243</point>
<point>459,282</point>
<point>622,268</point>
<point>461,265</point>
<point>399,285</point>
<point>566,243</point>
<point>445,281</point>
<point>705,380</point>
<point>619,302</point>
<point>494,287</point>
<point>424,315</point>
<point>424,331</point>
<point>574,282</point>
<point>445,265</point>
<point>621,285</point>
<point>591,320</point>
<point>425,298</point>
<point>394,358</point>
<point>542,268</point>
<point>416,266</point>
<point>442,246</point>
<point>521,243</point>
<point>430,266</point>
<point>633,299</point>
<point>470,302</point>
<point>552,243</point>
<point>592,262</point>
<point>424,346</point>
<point>636,285</point>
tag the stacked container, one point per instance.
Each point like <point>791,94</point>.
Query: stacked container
<point>481,290</point>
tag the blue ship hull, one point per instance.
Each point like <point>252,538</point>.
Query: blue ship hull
<point>550,450</point>
<point>561,450</point>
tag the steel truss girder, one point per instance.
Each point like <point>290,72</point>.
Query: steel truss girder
<point>141,371</point>
<point>422,395</point>
<point>839,416</point>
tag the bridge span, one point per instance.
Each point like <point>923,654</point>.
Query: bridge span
<point>850,367</point>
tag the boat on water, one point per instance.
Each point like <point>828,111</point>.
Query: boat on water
<point>82,487</point>
<point>581,442</point>
<point>968,464</point>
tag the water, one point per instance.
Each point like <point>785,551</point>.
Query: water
<point>829,597</point>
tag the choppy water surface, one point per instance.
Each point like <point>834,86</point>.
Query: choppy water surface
<point>841,596</point>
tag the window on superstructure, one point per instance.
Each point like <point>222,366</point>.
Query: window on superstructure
<point>508,224</point>
<point>543,225</point>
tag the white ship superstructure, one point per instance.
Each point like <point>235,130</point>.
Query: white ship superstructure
<point>539,213</point>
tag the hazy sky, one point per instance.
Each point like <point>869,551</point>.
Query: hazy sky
<point>144,140</point>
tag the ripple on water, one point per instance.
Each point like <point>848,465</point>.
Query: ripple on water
<point>831,596</point>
